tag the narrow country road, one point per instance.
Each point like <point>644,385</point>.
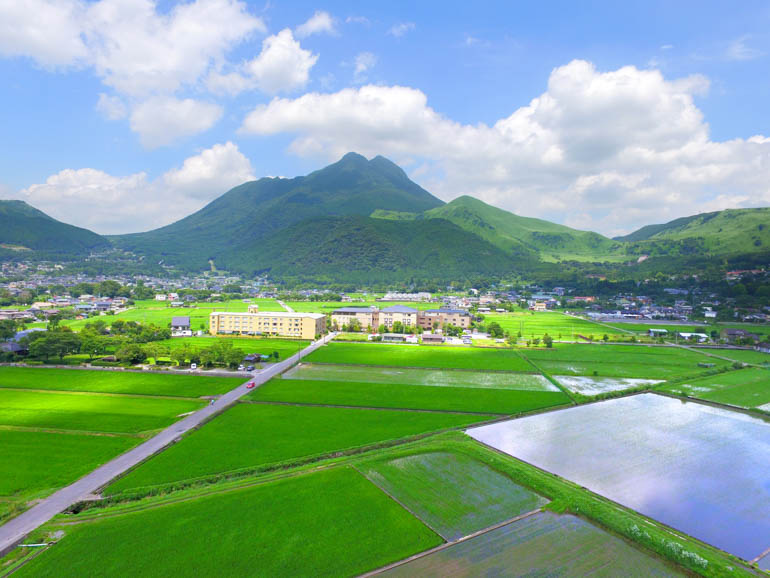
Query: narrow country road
<point>13,531</point>
<point>282,304</point>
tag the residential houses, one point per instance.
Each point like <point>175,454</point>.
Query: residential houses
<point>180,326</point>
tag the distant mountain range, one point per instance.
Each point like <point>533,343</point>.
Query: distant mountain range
<point>365,220</point>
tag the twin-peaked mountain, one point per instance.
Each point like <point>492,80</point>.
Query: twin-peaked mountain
<point>365,220</point>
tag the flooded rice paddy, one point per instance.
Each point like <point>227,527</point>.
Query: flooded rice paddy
<point>702,470</point>
<point>596,385</point>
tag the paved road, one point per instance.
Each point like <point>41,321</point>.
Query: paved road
<point>282,304</point>
<point>13,531</point>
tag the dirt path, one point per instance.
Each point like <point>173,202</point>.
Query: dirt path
<point>13,531</point>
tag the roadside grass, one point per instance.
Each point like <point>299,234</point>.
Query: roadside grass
<point>34,463</point>
<point>427,377</point>
<point>115,382</point>
<point>544,544</point>
<point>452,493</point>
<point>261,345</point>
<point>639,361</point>
<point>250,435</point>
<point>420,356</point>
<point>333,523</point>
<point>747,388</point>
<point>535,324</point>
<point>481,400</point>
<point>90,412</point>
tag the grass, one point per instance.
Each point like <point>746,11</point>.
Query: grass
<point>545,544</point>
<point>115,382</point>
<point>251,435</point>
<point>427,377</point>
<point>261,345</point>
<point>482,400</point>
<point>35,463</point>
<point>536,324</point>
<point>743,355</point>
<point>745,388</point>
<point>647,362</point>
<point>332,523</point>
<point>420,356</point>
<point>454,494</point>
<point>90,412</point>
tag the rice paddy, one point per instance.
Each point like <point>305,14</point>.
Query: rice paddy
<point>585,385</point>
<point>745,388</point>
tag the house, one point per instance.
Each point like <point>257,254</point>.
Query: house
<point>657,332</point>
<point>539,306</point>
<point>699,337</point>
<point>161,297</point>
<point>764,347</point>
<point>734,335</point>
<point>432,338</point>
<point>394,338</point>
<point>176,304</point>
<point>180,326</point>
<point>13,347</point>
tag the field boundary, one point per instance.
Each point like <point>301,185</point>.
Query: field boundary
<point>370,407</point>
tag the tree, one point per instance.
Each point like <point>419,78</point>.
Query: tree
<point>53,322</point>
<point>276,355</point>
<point>92,343</point>
<point>354,325</point>
<point>606,338</point>
<point>131,353</point>
<point>548,341</point>
<point>109,288</point>
<point>398,327</point>
<point>7,329</point>
<point>495,330</point>
<point>59,343</point>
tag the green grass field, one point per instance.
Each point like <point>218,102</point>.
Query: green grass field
<point>160,312</point>
<point>743,355</point>
<point>253,435</point>
<point>420,356</point>
<point>745,388</point>
<point>90,412</point>
<point>545,544</point>
<point>333,523</point>
<point>646,362</point>
<point>452,493</point>
<point>427,377</point>
<point>261,345</point>
<point>400,396</point>
<point>329,306</point>
<point>35,463</point>
<point>115,382</point>
<point>556,324</point>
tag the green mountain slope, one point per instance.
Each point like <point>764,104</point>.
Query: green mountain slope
<point>24,228</point>
<point>357,248</point>
<point>255,211</point>
<point>728,232</point>
<point>519,235</point>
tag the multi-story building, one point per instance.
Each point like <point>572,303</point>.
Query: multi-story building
<point>281,324</point>
<point>457,317</point>
<point>367,317</point>
<point>406,315</point>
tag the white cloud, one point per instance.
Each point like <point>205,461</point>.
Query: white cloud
<point>622,148</point>
<point>357,20</point>
<point>123,204</point>
<point>283,65</point>
<point>160,121</point>
<point>364,62</point>
<point>48,31</point>
<point>319,23</point>
<point>398,30</point>
<point>111,107</point>
<point>739,49</point>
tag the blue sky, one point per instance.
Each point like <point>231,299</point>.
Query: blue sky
<point>122,115</point>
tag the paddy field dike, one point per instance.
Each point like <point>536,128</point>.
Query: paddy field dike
<point>366,458</point>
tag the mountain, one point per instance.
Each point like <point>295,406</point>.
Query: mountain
<point>25,229</point>
<point>255,211</point>
<point>728,232</point>
<point>523,235</point>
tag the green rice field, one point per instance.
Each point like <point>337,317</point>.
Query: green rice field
<point>329,306</point>
<point>544,544</point>
<point>400,396</point>
<point>427,377</point>
<point>451,492</point>
<point>559,326</point>
<point>90,412</point>
<point>420,356</point>
<point>333,523</point>
<point>636,361</point>
<point>748,387</point>
<point>743,355</point>
<point>253,435</point>
<point>115,382</point>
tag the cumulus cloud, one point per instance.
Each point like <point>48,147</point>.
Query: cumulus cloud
<point>111,107</point>
<point>319,23</point>
<point>162,120</point>
<point>283,65</point>
<point>123,204</point>
<point>398,30</point>
<point>364,62</point>
<point>620,148</point>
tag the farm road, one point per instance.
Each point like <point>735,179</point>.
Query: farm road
<point>13,531</point>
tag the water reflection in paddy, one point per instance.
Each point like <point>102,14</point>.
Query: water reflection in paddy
<point>702,470</point>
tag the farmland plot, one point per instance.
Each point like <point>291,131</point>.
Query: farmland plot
<point>420,356</point>
<point>745,388</point>
<point>333,523</point>
<point>452,493</point>
<point>585,385</point>
<point>429,377</point>
<point>544,544</point>
<point>699,469</point>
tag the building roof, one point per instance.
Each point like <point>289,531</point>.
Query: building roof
<point>12,347</point>
<point>430,336</point>
<point>354,310</point>
<point>182,320</point>
<point>448,311</point>
<point>399,309</point>
<point>272,314</point>
<point>22,334</point>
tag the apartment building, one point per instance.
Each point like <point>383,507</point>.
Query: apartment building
<point>456,317</point>
<point>279,324</point>
<point>366,316</point>
<point>406,315</point>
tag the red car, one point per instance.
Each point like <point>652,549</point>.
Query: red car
<point>250,385</point>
